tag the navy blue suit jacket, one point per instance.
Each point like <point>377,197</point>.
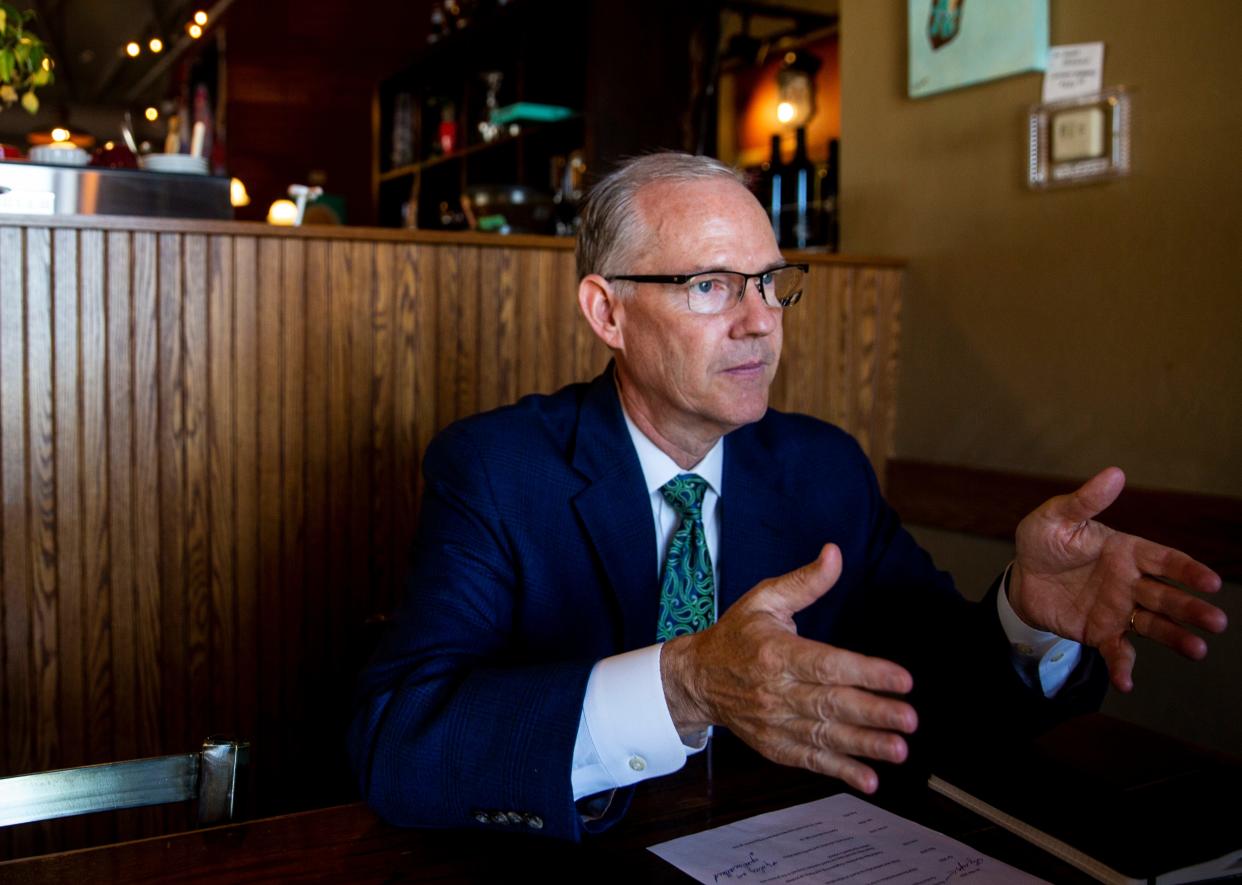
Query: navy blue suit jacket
<point>536,557</point>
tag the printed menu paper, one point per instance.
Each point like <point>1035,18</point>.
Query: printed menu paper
<point>838,839</point>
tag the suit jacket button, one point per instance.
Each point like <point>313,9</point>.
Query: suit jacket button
<point>482,817</point>
<point>500,817</point>
<point>534,821</point>
<point>515,818</point>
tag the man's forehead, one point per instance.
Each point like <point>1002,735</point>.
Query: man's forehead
<point>706,222</point>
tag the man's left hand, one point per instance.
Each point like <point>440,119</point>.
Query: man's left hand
<point>1084,581</point>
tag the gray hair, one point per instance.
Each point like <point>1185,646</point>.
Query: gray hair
<point>611,234</point>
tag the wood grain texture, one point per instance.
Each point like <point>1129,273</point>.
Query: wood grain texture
<point>210,445</point>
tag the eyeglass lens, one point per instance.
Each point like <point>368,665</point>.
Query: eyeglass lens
<point>719,290</point>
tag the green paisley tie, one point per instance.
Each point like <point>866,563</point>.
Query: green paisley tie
<point>687,588</point>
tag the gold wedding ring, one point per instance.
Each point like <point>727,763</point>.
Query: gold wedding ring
<point>1133,629</point>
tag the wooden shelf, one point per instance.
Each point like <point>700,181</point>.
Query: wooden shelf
<point>415,168</point>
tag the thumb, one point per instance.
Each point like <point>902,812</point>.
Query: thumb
<point>1091,498</point>
<point>792,592</point>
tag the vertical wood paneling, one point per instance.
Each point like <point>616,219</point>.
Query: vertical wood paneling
<point>210,455</point>
<point>470,293</point>
<point>40,405</point>
<point>196,338</point>
<point>147,665</point>
<point>492,268</point>
<point>19,692</point>
<point>448,281</point>
<point>406,384</point>
<point>172,493</point>
<point>507,332</point>
<point>294,700</point>
<point>246,490</point>
<point>68,467</point>
<point>271,634</point>
<point>342,291</point>
<point>358,517</point>
<point>315,557</point>
<point>222,479</point>
<point>381,429</point>
<point>98,679</point>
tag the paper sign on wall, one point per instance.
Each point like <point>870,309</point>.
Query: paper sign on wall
<point>1074,70</point>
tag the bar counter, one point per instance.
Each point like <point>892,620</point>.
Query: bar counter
<point>210,438</point>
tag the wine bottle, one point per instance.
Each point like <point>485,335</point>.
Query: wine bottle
<point>771,187</point>
<point>828,197</point>
<point>797,210</point>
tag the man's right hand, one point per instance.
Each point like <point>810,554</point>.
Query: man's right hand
<point>796,701</point>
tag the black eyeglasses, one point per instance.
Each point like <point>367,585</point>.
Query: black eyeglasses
<point>715,291</point>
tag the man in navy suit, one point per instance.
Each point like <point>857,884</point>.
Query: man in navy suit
<point>523,686</point>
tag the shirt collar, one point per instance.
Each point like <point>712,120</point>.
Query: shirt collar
<point>659,468</point>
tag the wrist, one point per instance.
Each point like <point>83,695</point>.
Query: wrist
<point>677,678</point>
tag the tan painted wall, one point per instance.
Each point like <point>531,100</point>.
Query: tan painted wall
<point>1058,332</point>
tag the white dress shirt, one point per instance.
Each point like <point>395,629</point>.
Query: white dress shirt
<point>625,732</point>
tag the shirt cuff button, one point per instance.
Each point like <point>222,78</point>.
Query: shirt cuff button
<point>638,763</point>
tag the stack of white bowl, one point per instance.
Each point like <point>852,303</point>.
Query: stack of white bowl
<point>182,164</point>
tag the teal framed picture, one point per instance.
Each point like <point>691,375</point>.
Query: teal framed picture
<point>955,43</point>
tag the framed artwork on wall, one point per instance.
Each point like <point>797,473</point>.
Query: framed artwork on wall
<point>956,43</point>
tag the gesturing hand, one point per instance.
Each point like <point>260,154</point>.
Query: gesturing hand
<point>796,701</point>
<point>1082,580</point>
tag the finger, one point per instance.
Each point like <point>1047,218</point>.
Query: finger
<point>857,774</point>
<point>1177,605</point>
<point>1091,498</point>
<point>792,592</point>
<point>1174,565</point>
<point>867,743</point>
<point>851,706</point>
<point>817,663</point>
<point>1162,630</point>
<point>1119,656</point>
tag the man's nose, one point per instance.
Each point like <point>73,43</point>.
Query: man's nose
<point>754,316</point>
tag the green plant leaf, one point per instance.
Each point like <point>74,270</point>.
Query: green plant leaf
<point>6,65</point>
<point>30,102</point>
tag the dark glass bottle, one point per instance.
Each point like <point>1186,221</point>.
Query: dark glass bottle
<point>828,197</point>
<point>798,211</point>
<point>771,187</point>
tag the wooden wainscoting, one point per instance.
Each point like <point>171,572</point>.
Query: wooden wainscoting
<point>209,456</point>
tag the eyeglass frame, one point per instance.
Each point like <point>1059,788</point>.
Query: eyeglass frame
<point>678,279</point>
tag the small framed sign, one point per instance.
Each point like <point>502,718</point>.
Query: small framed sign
<point>1079,140</point>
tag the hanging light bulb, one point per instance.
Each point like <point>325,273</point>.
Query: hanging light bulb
<point>132,49</point>
<point>195,31</point>
<point>200,18</point>
<point>156,44</point>
<point>151,114</point>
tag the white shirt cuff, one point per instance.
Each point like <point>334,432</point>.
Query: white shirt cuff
<point>625,732</point>
<point>1039,656</point>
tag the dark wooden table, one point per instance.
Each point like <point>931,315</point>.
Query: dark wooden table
<point>348,843</point>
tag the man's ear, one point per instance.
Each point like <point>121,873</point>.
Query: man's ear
<point>603,310</point>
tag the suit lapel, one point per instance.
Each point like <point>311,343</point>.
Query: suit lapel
<point>616,512</point>
<point>754,519</point>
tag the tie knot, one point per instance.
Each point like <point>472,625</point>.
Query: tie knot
<point>685,494</point>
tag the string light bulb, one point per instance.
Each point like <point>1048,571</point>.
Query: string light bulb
<point>200,18</point>
<point>60,133</point>
<point>195,31</point>
<point>785,112</point>
<point>156,45</point>
<point>132,49</point>
<point>151,114</point>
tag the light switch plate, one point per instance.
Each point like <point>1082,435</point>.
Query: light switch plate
<point>1079,140</point>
